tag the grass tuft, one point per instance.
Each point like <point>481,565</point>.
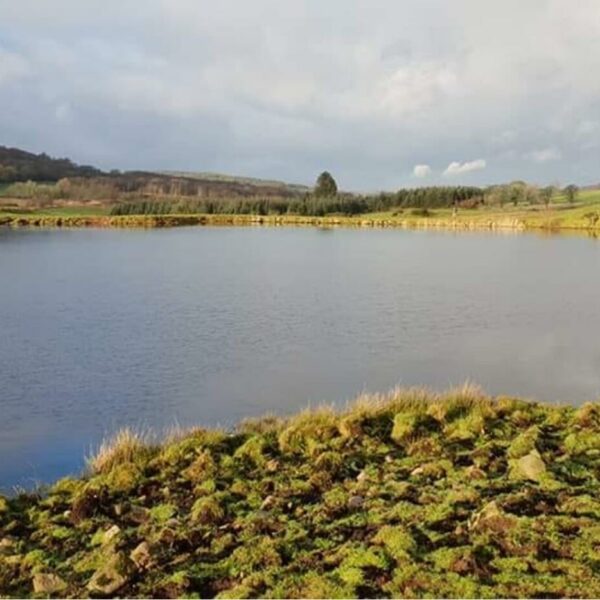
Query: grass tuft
<point>124,447</point>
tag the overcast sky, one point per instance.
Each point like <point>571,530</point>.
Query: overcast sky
<point>381,93</point>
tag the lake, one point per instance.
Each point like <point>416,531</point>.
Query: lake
<point>105,328</point>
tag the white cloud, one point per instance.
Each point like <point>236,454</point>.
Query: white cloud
<point>457,168</point>
<point>544,155</point>
<point>421,170</point>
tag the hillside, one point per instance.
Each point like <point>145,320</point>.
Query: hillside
<point>85,182</point>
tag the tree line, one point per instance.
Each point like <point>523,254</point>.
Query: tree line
<point>310,204</point>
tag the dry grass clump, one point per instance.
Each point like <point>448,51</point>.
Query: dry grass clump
<point>123,447</point>
<point>419,399</point>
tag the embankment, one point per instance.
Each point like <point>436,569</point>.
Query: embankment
<point>466,222</point>
<point>408,495</point>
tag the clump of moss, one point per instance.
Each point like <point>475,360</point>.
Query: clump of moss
<point>203,467</point>
<point>207,511</point>
<point>414,495</point>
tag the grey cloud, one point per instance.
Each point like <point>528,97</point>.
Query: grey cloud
<point>364,89</point>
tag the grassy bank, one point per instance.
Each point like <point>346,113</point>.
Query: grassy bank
<point>559,216</point>
<point>412,494</point>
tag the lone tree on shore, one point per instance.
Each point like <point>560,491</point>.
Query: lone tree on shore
<point>326,187</point>
<point>571,192</point>
<point>546,194</point>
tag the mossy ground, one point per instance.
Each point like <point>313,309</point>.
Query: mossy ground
<point>408,495</point>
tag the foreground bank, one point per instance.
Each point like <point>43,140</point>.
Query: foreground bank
<point>412,494</point>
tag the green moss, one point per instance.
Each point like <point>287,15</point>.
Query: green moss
<point>524,443</point>
<point>67,486</point>
<point>584,505</point>
<point>329,461</point>
<point>313,585</point>
<point>253,451</point>
<point>336,499</point>
<point>61,533</point>
<point>261,553</point>
<point>466,428</point>
<point>162,512</point>
<point>405,427</point>
<point>237,591</point>
<point>588,417</point>
<point>124,477</point>
<point>457,559</point>
<point>203,467</point>
<point>36,559</point>
<point>397,540</point>
<point>207,510</point>
<point>583,442</point>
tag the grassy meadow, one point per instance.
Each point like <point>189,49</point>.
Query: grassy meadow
<point>409,494</point>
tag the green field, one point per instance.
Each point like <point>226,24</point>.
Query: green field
<point>406,495</point>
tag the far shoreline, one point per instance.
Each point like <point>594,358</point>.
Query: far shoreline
<point>471,221</point>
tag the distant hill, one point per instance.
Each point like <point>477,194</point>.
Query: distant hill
<point>20,165</point>
<point>208,176</point>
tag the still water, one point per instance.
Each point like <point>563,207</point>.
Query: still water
<point>105,328</point>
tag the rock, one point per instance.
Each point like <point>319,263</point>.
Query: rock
<point>531,466</point>
<point>6,545</point>
<point>48,583</point>
<point>110,534</point>
<point>167,536</point>
<point>262,516</point>
<point>272,466</point>
<point>141,556</point>
<point>85,505</point>
<point>355,502</point>
<point>112,576</point>
<point>138,514</point>
<point>268,503</point>
<point>491,518</point>
<point>474,472</point>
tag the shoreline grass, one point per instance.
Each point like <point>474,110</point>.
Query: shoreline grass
<point>405,494</point>
<point>573,220</point>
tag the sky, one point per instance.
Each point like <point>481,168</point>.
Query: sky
<point>381,93</point>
